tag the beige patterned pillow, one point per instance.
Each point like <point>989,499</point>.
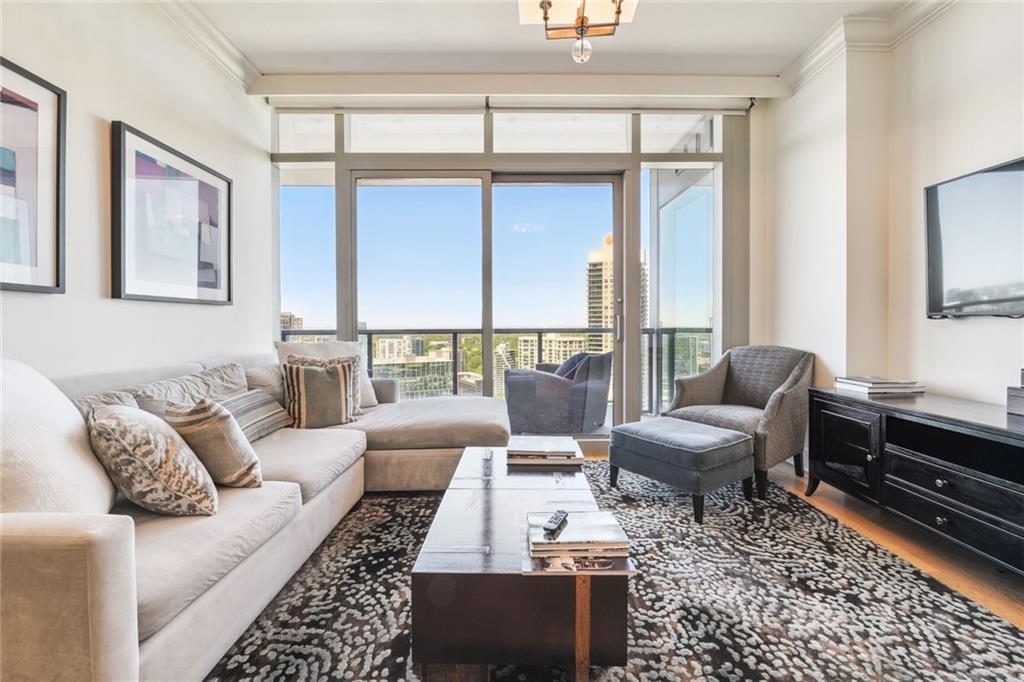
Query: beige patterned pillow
<point>218,441</point>
<point>150,463</point>
<point>319,396</point>
<point>354,392</point>
<point>257,413</point>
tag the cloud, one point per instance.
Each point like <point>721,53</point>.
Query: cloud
<point>524,228</point>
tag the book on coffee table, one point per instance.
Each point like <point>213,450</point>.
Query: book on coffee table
<point>585,533</point>
<point>577,566</point>
<point>543,451</point>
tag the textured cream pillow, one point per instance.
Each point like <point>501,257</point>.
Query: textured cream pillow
<point>269,379</point>
<point>218,441</point>
<point>87,404</point>
<point>217,384</point>
<point>150,463</point>
<point>333,349</point>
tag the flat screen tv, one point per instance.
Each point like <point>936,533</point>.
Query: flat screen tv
<point>975,243</point>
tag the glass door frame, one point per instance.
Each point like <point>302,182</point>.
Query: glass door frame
<point>734,157</point>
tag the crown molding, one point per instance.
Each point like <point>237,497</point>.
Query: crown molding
<point>210,41</point>
<point>863,34</point>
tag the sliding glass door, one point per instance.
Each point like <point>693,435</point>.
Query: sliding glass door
<point>554,293</point>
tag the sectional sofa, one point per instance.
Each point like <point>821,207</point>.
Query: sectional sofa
<point>94,587</point>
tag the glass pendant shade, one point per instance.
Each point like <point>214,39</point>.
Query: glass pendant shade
<point>581,50</point>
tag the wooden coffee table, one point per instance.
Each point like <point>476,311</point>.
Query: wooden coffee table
<point>471,605</point>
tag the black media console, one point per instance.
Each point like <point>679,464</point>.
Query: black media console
<point>955,467</point>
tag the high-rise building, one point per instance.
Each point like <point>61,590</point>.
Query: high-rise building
<point>504,358</point>
<point>601,294</point>
<point>290,321</point>
<point>419,346</point>
<point>556,348</point>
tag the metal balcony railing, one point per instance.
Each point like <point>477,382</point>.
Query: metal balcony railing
<point>668,351</point>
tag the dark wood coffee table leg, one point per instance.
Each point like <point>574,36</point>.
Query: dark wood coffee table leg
<point>582,653</point>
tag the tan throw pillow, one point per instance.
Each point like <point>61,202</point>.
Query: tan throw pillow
<point>217,384</point>
<point>150,463</point>
<point>354,392</point>
<point>269,379</point>
<point>217,440</point>
<point>333,349</point>
<point>87,404</point>
<point>319,396</point>
<point>257,414</point>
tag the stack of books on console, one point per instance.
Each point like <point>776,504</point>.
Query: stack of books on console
<point>534,451</point>
<point>879,386</point>
<point>586,542</point>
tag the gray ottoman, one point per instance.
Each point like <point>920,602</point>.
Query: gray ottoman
<point>695,458</point>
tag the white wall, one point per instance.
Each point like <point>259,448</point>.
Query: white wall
<point>127,61</point>
<point>957,105</point>
<point>805,204</point>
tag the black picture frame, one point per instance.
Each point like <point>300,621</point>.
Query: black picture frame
<point>118,141</point>
<point>60,184</point>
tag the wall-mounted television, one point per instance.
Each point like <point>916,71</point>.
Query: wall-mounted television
<point>975,243</point>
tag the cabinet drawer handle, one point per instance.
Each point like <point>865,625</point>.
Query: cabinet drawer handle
<point>940,483</point>
<point>869,458</point>
<point>940,520</point>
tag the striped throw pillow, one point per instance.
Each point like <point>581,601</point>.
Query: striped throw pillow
<point>217,440</point>
<point>319,396</point>
<point>257,413</point>
<point>354,396</point>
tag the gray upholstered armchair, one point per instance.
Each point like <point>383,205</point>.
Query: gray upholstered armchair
<point>758,390</point>
<point>539,401</point>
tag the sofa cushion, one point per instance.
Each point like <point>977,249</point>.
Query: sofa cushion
<point>218,441</point>
<point>735,417</point>
<point>333,349</point>
<point>216,383</point>
<point>179,558</point>
<point>46,462</point>
<point>257,413</point>
<point>683,444</point>
<point>313,458</point>
<point>150,463</point>
<point>441,422</point>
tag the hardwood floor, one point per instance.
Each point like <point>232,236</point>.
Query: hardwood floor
<point>999,591</point>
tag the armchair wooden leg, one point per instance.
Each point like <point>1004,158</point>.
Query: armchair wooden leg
<point>698,508</point>
<point>798,464</point>
<point>613,475</point>
<point>748,488</point>
<point>761,477</point>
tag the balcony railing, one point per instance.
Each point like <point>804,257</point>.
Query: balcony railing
<point>667,353</point>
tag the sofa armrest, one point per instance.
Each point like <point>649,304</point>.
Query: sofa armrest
<point>783,424</point>
<point>68,597</point>
<point>549,367</point>
<point>705,388</point>
<point>385,389</point>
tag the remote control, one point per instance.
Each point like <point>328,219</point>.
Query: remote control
<point>556,521</point>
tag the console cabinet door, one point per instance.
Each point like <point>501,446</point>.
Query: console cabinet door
<point>845,448</point>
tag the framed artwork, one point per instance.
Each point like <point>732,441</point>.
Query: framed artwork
<point>33,122</point>
<point>171,227</point>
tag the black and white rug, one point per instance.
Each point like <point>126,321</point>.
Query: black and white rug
<point>769,590</point>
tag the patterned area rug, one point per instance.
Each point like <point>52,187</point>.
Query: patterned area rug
<point>772,590</point>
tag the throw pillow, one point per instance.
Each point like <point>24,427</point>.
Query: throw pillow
<point>257,414</point>
<point>150,463</point>
<point>319,396</point>
<point>218,441</point>
<point>354,389</point>
<point>269,379</point>
<point>217,384</point>
<point>87,404</point>
<point>333,349</point>
<point>568,368</point>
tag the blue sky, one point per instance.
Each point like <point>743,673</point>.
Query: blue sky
<point>419,253</point>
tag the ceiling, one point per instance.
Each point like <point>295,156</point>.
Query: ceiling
<point>485,36</point>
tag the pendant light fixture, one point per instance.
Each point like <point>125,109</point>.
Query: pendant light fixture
<point>582,29</point>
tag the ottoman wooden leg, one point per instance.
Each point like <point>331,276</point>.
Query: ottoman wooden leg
<point>748,488</point>
<point>613,475</point>
<point>698,508</point>
<point>762,484</point>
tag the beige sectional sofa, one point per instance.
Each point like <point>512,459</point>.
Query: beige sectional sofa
<point>97,588</point>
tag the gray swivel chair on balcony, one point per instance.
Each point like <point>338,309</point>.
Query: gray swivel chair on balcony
<point>757,390</point>
<point>542,402</point>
